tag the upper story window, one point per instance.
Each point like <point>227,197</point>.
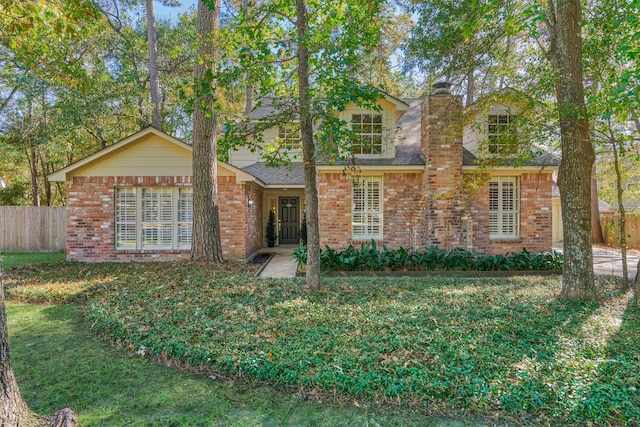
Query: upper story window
<point>501,134</point>
<point>289,137</point>
<point>368,133</point>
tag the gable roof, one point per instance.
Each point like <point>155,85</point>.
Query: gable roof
<point>66,173</point>
<point>266,107</point>
<point>292,174</point>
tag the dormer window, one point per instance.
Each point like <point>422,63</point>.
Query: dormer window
<point>501,134</point>
<point>368,133</point>
<point>289,137</point>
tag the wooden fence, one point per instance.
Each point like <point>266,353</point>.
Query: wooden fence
<point>609,222</point>
<point>32,229</point>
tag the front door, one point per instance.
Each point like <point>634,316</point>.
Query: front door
<point>289,210</point>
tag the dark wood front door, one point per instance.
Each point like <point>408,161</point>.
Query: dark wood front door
<point>289,224</point>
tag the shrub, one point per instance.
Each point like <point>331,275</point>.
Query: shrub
<point>367,257</point>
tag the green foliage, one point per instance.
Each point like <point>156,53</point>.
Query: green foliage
<point>109,386</point>
<point>16,193</point>
<point>368,258</point>
<point>261,50</point>
<point>506,347</point>
<point>272,231</point>
<point>15,259</point>
<point>303,230</point>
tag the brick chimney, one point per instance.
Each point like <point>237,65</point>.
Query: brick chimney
<point>441,147</point>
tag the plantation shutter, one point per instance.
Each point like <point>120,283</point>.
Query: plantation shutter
<point>185,217</point>
<point>367,208</point>
<point>156,218</point>
<point>125,218</point>
<point>504,201</point>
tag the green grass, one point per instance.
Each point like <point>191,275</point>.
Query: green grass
<point>13,259</point>
<point>509,347</point>
<point>59,363</point>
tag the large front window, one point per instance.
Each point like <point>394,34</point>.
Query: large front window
<point>366,210</point>
<point>368,133</point>
<point>154,218</point>
<point>504,207</point>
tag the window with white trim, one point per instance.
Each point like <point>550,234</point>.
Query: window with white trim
<point>366,208</point>
<point>368,134</point>
<point>289,137</point>
<point>154,217</point>
<point>501,134</point>
<point>504,207</point>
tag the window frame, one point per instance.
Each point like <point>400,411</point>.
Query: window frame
<point>360,135</point>
<point>502,140</point>
<point>289,137</point>
<point>371,214</point>
<point>140,219</point>
<point>504,217</point>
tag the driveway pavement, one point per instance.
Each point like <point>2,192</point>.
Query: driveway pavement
<point>609,260</point>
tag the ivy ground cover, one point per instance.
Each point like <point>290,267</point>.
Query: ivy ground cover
<point>509,347</point>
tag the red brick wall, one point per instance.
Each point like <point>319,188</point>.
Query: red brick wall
<point>441,209</point>
<point>535,218</point>
<point>233,204</point>
<point>467,224</point>
<point>334,209</point>
<point>254,229</point>
<point>91,218</point>
<point>400,193</point>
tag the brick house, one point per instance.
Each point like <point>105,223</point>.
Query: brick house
<point>417,183</point>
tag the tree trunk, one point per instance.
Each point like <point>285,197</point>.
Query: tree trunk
<point>154,80</point>
<point>32,156</point>
<point>47,183</point>
<point>636,290</point>
<point>13,409</point>
<point>623,218</point>
<point>565,54</point>
<point>596,227</point>
<point>308,152</point>
<point>206,244</point>
<point>471,88</point>
<point>248,106</point>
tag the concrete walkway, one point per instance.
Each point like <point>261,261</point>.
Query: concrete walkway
<point>281,265</point>
<point>609,260</point>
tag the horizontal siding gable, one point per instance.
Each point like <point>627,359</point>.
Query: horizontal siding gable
<point>149,156</point>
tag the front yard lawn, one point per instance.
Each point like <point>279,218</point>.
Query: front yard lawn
<point>60,363</point>
<point>12,259</point>
<point>509,347</point>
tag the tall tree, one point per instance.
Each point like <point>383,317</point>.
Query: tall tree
<point>154,80</point>
<point>29,27</point>
<point>467,36</point>
<point>302,58</point>
<point>308,150</point>
<point>563,22</point>
<point>207,245</point>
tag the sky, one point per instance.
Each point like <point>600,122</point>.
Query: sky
<point>172,13</point>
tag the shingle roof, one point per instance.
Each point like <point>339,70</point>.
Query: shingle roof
<point>283,175</point>
<point>407,140</point>
<point>407,149</point>
<point>543,159</point>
